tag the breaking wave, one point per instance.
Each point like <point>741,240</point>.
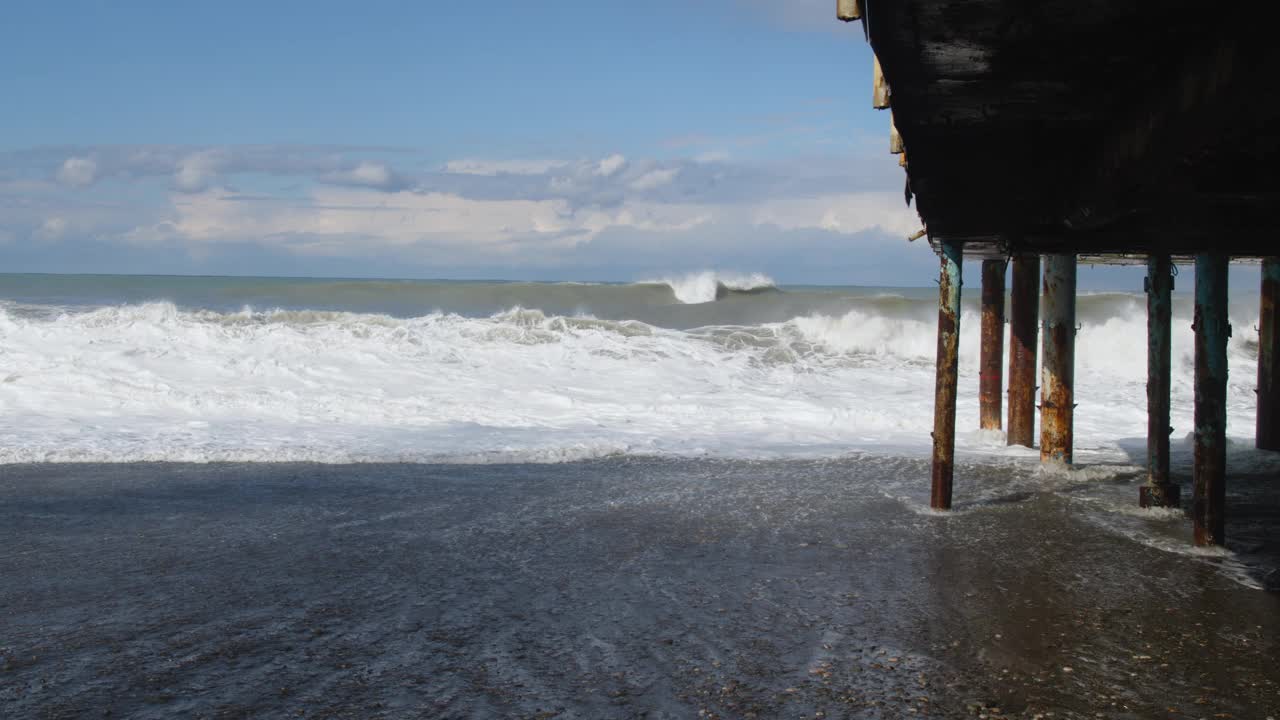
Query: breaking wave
<point>709,286</point>
<point>157,381</point>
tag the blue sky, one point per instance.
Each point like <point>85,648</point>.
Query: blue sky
<point>552,140</point>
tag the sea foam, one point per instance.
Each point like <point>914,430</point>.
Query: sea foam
<point>709,286</point>
<point>154,381</point>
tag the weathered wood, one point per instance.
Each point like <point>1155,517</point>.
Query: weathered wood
<point>1018,147</point>
<point>1159,491</point>
<point>1149,140</point>
<point>1131,247</point>
<point>1212,331</point>
<point>1024,330</point>
<point>1057,384</point>
<point>879,87</point>
<point>944,408</point>
<point>991,364</point>
<point>848,10</point>
<point>1268,430</point>
<point>895,138</point>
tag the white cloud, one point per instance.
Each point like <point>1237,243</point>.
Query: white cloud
<point>654,179</point>
<point>371,174</point>
<point>78,171</point>
<point>367,174</point>
<point>342,221</point>
<point>197,171</point>
<point>523,212</point>
<point>843,213</point>
<point>54,228</point>
<point>361,218</point>
<point>610,165</point>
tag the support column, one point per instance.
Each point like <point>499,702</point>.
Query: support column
<point>1158,492</point>
<point>944,408</point>
<point>991,372</point>
<point>1057,382</point>
<point>1024,327</point>
<point>1212,330</point>
<point>1268,437</point>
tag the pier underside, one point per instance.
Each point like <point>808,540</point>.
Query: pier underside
<point>1096,132</point>
<point>1096,128</point>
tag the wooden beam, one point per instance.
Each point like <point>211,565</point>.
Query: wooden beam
<point>879,87</point>
<point>1171,123</point>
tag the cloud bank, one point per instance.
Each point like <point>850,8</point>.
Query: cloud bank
<point>517,216</point>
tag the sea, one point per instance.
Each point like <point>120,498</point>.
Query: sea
<point>699,495</point>
<point>202,369</point>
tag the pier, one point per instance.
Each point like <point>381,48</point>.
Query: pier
<point>1154,146</point>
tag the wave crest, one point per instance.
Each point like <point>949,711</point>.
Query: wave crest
<point>710,285</point>
<point>154,381</point>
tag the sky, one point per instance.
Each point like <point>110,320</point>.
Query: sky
<point>562,139</point>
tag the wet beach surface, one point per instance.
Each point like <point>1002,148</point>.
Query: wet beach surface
<point>623,588</point>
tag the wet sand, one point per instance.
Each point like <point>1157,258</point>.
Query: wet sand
<point>617,589</point>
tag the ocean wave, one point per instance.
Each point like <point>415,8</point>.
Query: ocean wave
<point>152,381</point>
<point>710,285</point>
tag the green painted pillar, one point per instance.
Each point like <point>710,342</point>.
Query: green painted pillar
<point>1268,436</point>
<point>1159,491</point>
<point>1212,331</point>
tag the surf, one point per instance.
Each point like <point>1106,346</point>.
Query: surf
<point>710,286</point>
<point>837,373</point>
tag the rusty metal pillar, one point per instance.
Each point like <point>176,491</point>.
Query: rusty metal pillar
<point>1158,492</point>
<point>1268,437</point>
<point>991,372</point>
<point>1057,382</point>
<point>1212,331</point>
<point>944,408</point>
<point>1024,326</point>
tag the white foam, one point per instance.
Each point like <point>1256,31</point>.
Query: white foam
<point>152,382</point>
<point>704,287</point>
<point>1165,530</point>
